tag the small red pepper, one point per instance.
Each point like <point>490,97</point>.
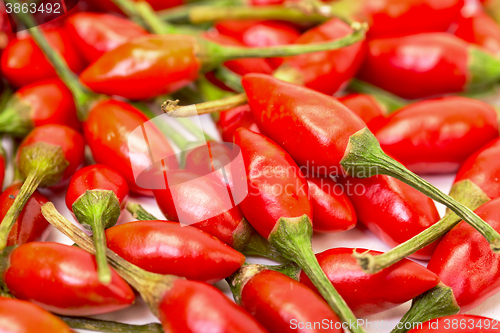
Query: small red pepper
<point>365,106</point>
<point>165,247</point>
<point>427,64</point>
<point>479,29</point>
<point>437,136</point>
<point>460,323</point>
<point>326,72</point>
<point>23,62</point>
<point>483,169</point>
<point>232,119</point>
<point>21,316</point>
<point>280,303</point>
<point>38,104</point>
<point>96,195</point>
<point>63,279</point>
<point>95,34</point>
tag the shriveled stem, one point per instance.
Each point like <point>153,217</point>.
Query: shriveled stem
<point>174,110</point>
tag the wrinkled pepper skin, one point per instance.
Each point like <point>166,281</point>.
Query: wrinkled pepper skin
<point>232,119</point>
<point>95,34</point>
<point>483,169</point>
<point>165,247</point>
<point>63,279</point>
<point>312,127</point>
<point>418,66</point>
<point>107,130</point>
<point>460,323</point>
<point>465,263</point>
<point>30,226</point>
<point>195,307</point>
<point>23,62</point>
<point>24,317</point>
<point>276,186</point>
<point>392,210</point>
<point>327,72</point>
<point>138,69</point>
<point>365,106</point>
<point>480,29</point>
<point>332,209</point>
<point>277,302</point>
<point>367,294</point>
<point>437,136</point>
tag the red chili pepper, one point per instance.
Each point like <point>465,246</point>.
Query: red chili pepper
<point>20,316</point>
<point>437,136</point>
<point>63,279</point>
<point>48,155</point>
<point>479,29</point>
<point>464,261</point>
<point>367,294</point>
<point>164,247</point>
<point>30,226</point>
<point>392,210</point>
<point>365,106</point>
<point>38,104</point>
<point>427,64</point>
<point>280,303</point>
<point>96,195</point>
<point>23,62</point>
<point>460,323</point>
<point>483,169</point>
<point>95,34</point>
<point>230,120</point>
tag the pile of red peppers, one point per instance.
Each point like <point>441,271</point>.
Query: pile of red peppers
<point>325,117</point>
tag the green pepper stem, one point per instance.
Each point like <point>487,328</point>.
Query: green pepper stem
<point>139,213</point>
<point>292,238</point>
<point>390,101</point>
<point>181,13</point>
<point>105,326</point>
<point>173,110</point>
<point>103,271</point>
<point>229,78</point>
<point>15,117</point>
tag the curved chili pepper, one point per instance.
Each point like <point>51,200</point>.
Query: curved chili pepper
<point>137,69</point>
<point>280,303</point>
<point>326,72</point>
<point>428,64</point>
<point>464,262</point>
<point>479,29</point>
<point>20,316</point>
<point>438,135</point>
<point>365,106</point>
<point>38,104</point>
<point>232,119</point>
<point>63,279</point>
<point>48,155</point>
<point>165,247</point>
<point>460,323</point>
<point>95,34</point>
<point>96,195</point>
<point>23,62</point>
<point>30,226</point>
<point>483,169</point>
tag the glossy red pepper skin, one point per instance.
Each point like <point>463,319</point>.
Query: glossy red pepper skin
<point>50,102</point>
<point>24,317</point>
<point>367,294</point>
<point>96,177</point>
<point>460,323</point>
<point>137,69</point>
<point>232,119</point>
<point>285,112</point>
<point>465,263</point>
<point>95,34</point>
<point>277,301</point>
<point>63,279</point>
<point>30,226</point>
<point>483,169</point>
<point>365,106</point>
<point>70,141</point>
<point>327,72</point>
<point>276,186</point>
<point>437,136</point>
<point>392,210</point>
<point>165,247</point>
<point>418,66</point>
<point>23,62</point>
<point>107,130</point>
<point>195,307</point>
<point>332,209</point>
<point>480,29</point>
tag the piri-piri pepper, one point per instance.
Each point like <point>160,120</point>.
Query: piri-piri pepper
<point>480,29</point>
